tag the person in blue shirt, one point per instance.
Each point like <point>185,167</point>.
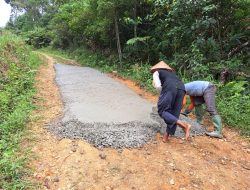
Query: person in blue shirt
<point>203,92</point>
<point>172,92</point>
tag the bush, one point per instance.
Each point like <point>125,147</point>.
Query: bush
<point>234,105</point>
<point>38,38</point>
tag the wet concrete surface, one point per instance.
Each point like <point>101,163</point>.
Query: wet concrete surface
<point>103,111</point>
<point>91,96</point>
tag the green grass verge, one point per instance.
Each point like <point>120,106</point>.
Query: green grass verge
<point>17,72</point>
<point>233,101</point>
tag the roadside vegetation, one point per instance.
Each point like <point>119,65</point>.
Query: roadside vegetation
<point>17,71</point>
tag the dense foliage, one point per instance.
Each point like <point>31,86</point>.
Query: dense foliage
<point>201,39</point>
<point>205,39</point>
<point>17,65</point>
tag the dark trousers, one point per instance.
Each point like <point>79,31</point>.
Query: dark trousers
<point>209,97</point>
<point>169,108</point>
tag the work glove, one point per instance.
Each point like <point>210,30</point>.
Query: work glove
<point>186,112</point>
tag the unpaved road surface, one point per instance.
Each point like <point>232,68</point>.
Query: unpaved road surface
<point>62,163</point>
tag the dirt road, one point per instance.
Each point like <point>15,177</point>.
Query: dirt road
<point>75,164</point>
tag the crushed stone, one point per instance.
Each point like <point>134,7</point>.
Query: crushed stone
<point>119,136</point>
<point>102,135</point>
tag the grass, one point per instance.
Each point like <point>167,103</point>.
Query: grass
<point>18,67</point>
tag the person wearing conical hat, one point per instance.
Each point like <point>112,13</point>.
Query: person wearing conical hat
<point>172,92</point>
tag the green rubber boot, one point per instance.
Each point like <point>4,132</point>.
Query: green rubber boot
<point>217,127</point>
<point>199,112</point>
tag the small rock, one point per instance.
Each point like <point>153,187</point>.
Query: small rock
<point>59,138</point>
<point>56,179</point>
<point>119,150</point>
<point>191,173</point>
<point>181,141</point>
<point>102,155</point>
<point>81,151</point>
<point>46,183</point>
<point>244,144</point>
<point>223,162</point>
<point>195,185</point>
<point>248,151</point>
<point>171,164</point>
<point>108,188</point>
<point>171,181</point>
<point>73,149</point>
<point>246,166</point>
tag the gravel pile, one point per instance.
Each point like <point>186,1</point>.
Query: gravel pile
<point>126,135</point>
<point>101,135</point>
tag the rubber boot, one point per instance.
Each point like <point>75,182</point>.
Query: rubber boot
<point>199,112</point>
<point>217,127</point>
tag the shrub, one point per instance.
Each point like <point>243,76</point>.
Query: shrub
<point>234,105</point>
<point>39,37</point>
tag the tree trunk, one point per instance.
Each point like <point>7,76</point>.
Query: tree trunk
<point>238,48</point>
<point>135,25</point>
<point>118,43</point>
<point>223,76</point>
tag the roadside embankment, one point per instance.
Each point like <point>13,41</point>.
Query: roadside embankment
<point>17,71</point>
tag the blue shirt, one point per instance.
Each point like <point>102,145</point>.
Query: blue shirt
<point>196,88</point>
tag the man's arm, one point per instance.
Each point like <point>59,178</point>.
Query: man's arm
<point>191,106</point>
<point>157,81</point>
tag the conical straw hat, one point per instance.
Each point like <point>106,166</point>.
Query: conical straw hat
<point>160,65</point>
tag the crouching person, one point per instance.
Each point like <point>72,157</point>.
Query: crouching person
<point>172,92</point>
<point>203,92</point>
